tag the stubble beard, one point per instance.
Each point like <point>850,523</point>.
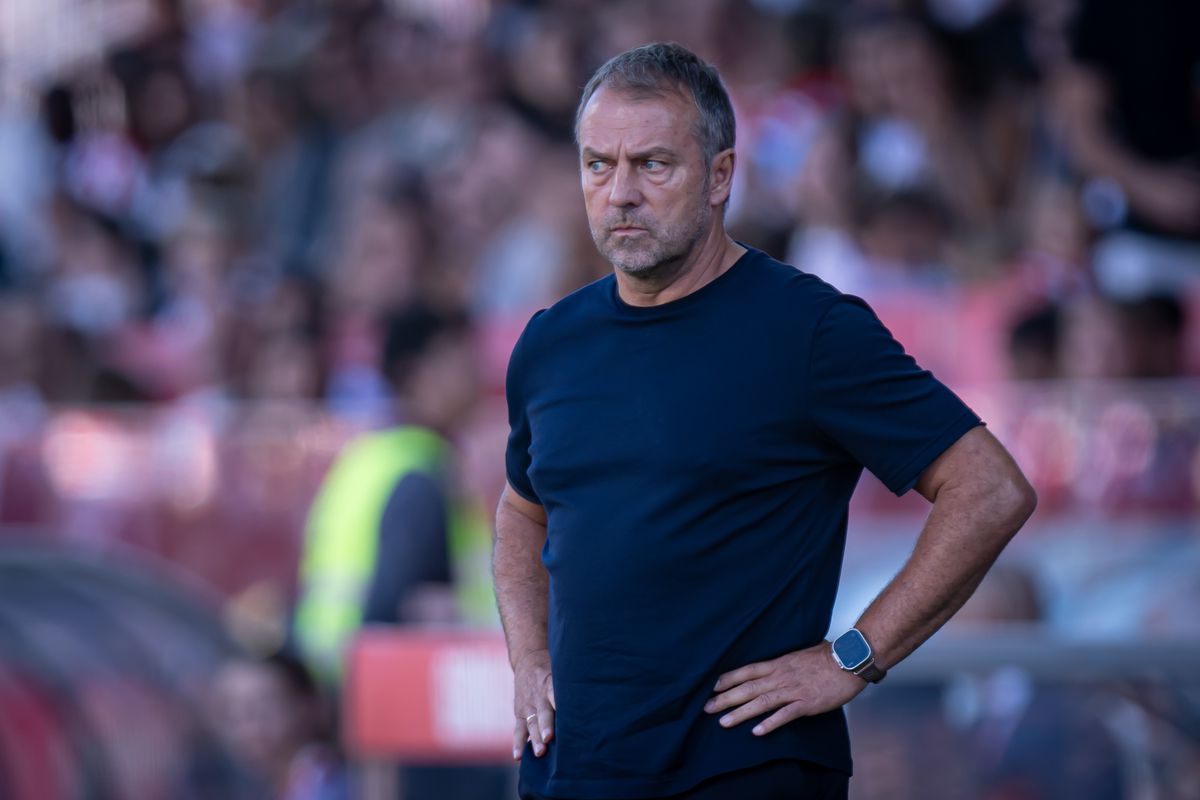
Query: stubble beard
<point>656,255</point>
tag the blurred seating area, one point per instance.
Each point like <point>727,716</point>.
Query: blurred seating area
<point>216,200</point>
<point>209,207</point>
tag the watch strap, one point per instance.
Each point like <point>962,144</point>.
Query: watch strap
<point>871,672</point>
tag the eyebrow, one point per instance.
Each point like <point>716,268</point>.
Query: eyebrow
<point>653,152</point>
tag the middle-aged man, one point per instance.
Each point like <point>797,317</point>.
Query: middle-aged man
<point>686,435</point>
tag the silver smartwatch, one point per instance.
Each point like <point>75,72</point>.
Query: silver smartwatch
<point>853,654</point>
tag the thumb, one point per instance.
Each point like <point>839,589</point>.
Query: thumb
<point>550,696</point>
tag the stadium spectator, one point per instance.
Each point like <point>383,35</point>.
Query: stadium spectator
<point>1132,129</point>
<point>272,716</point>
<point>1033,345</point>
<point>387,525</point>
<point>392,538</point>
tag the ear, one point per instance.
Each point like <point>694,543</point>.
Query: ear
<point>720,177</point>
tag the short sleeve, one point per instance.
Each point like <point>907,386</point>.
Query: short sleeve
<point>875,402</point>
<point>516,457</point>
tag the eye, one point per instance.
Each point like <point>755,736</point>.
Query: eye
<point>653,165</point>
<point>595,166</point>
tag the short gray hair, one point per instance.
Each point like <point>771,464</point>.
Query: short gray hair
<point>662,67</point>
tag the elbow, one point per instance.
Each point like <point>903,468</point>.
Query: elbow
<point>1028,500</point>
<point>1003,502</point>
<point>1015,500</point>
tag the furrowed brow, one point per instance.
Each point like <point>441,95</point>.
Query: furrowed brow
<point>589,154</point>
<point>652,153</point>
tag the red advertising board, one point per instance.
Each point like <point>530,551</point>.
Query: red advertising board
<point>433,696</point>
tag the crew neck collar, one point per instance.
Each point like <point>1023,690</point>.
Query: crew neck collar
<point>689,299</point>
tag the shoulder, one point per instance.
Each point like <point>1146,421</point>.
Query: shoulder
<point>416,489</point>
<point>579,308</point>
<point>789,290</point>
<point>551,333</point>
<point>580,305</point>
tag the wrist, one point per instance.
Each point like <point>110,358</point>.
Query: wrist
<point>534,655</point>
<point>853,654</point>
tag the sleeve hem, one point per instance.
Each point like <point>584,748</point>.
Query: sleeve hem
<point>530,496</point>
<point>907,477</point>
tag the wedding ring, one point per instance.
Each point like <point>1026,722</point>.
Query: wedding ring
<point>531,716</point>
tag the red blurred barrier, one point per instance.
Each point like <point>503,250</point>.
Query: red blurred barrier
<point>414,696</point>
<point>195,486</point>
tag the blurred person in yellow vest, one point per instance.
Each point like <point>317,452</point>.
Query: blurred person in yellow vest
<point>390,538</point>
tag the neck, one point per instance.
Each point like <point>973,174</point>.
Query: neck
<point>711,257</point>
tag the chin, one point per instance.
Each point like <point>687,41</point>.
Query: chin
<point>632,260</point>
<point>638,268</point>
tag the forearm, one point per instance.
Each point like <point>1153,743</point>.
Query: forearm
<point>522,583</point>
<point>967,529</point>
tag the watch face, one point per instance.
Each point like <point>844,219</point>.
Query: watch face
<point>852,649</point>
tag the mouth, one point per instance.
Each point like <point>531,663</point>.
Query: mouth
<point>627,229</point>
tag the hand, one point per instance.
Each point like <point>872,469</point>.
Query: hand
<point>798,684</point>
<point>533,703</point>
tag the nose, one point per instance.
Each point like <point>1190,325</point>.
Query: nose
<point>623,189</point>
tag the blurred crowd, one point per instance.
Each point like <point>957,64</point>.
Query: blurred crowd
<point>230,198</point>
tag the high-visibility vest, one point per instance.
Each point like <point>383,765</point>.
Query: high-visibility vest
<point>342,541</point>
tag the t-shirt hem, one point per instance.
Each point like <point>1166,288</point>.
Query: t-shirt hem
<point>527,495</point>
<point>907,477</point>
<point>669,785</point>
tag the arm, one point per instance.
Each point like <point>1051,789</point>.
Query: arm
<point>980,500</point>
<point>412,581</point>
<point>522,592</point>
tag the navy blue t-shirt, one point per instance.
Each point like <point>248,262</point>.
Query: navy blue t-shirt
<point>696,460</point>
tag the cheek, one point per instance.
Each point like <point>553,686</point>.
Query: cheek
<point>593,203</point>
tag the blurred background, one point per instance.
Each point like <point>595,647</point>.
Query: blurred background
<point>242,241</point>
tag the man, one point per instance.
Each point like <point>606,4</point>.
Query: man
<point>390,539</point>
<point>686,435</point>
<point>387,535</point>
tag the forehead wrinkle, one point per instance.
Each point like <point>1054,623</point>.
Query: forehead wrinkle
<point>630,109</point>
<point>632,147</point>
<point>649,136</point>
<point>650,151</point>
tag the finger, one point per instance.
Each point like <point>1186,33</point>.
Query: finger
<point>781,717</point>
<point>760,705</point>
<point>737,695</point>
<point>520,737</point>
<point>550,693</point>
<point>535,735</point>
<point>743,674</point>
<point>545,719</point>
